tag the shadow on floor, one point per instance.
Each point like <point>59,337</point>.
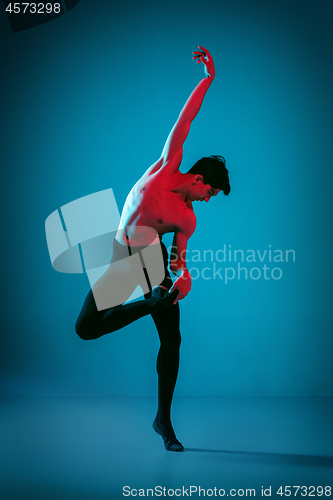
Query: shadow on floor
<point>313,460</point>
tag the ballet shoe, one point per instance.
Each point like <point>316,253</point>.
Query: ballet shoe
<point>167,433</point>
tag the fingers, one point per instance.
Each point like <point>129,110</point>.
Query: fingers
<point>179,297</point>
<point>205,52</point>
<point>200,59</point>
<point>202,55</point>
<point>198,55</point>
<point>176,299</point>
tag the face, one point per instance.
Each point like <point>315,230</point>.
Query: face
<point>201,191</point>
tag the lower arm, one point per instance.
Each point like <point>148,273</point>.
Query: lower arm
<point>194,102</point>
<point>178,267</point>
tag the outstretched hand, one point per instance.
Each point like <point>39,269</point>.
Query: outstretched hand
<point>204,56</point>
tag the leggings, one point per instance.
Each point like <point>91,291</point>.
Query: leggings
<point>92,324</point>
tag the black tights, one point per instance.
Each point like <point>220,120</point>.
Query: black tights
<point>92,324</point>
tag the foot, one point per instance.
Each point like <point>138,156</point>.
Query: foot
<point>171,443</point>
<point>161,298</point>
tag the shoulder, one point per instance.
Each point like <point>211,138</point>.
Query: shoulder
<point>154,167</point>
<point>166,167</point>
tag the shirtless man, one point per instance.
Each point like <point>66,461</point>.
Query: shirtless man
<point>159,203</point>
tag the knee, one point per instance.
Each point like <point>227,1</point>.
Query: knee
<point>82,331</point>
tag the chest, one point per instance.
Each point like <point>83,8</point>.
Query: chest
<point>163,207</point>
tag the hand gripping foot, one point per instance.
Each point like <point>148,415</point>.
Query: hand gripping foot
<point>171,443</point>
<point>161,298</point>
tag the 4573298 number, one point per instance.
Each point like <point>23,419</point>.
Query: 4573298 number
<point>33,8</point>
<point>304,491</point>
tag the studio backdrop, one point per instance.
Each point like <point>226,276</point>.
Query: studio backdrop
<point>88,100</point>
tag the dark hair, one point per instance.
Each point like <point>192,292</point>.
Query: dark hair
<point>213,171</point>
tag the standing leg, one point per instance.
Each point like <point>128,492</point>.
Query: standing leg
<point>167,324</point>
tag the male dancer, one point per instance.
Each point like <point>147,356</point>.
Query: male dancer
<point>162,200</point>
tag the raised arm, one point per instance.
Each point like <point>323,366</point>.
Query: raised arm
<point>173,149</point>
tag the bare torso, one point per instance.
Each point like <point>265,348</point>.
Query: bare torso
<point>153,202</point>
<point>161,201</point>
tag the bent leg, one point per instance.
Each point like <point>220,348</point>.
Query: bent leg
<point>92,324</point>
<point>113,288</point>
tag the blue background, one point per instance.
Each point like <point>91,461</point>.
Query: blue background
<point>87,103</point>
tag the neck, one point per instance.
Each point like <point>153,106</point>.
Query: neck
<point>181,184</point>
